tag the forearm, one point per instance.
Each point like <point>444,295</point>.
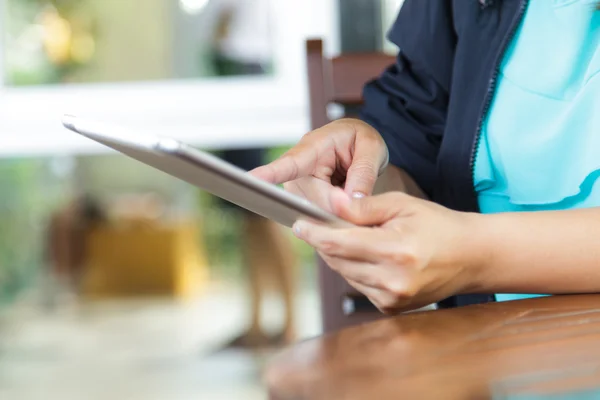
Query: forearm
<point>394,179</point>
<point>543,252</point>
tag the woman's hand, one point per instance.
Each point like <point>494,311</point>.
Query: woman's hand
<point>405,253</point>
<point>347,153</point>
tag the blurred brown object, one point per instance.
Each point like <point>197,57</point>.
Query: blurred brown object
<point>68,230</point>
<point>127,249</point>
<point>538,348</point>
<point>340,80</point>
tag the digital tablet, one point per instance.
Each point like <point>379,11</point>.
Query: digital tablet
<point>205,171</point>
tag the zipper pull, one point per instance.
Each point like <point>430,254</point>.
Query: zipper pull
<point>486,3</point>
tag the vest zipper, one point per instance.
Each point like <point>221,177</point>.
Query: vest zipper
<point>492,89</point>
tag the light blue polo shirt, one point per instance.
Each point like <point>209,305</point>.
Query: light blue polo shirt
<point>540,143</point>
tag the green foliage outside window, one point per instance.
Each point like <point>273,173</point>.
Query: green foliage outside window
<point>28,193</point>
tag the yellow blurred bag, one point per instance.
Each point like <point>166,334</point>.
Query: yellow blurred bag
<point>139,259</point>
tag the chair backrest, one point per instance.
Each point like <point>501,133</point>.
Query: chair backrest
<point>340,80</point>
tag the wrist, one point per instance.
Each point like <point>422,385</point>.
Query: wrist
<point>476,253</point>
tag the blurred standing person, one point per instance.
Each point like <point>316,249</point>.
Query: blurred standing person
<point>242,46</point>
<point>242,40</point>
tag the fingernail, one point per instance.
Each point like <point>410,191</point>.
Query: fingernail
<point>297,228</point>
<point>358,195</point>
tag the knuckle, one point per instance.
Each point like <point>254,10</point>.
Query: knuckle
<point>338,127</point>
<point>371,137</point>
<point>387,306</point>
<point>348,124</point>
<point>291,162</point>
<point>398,258</point>
<point>402,258</point>
<point>387,310</point>
<point>359,128</point>
<point>371,280</point>
<point>289,157</point>
<point>400,290</point>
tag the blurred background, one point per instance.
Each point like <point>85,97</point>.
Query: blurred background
<point>117,281</point>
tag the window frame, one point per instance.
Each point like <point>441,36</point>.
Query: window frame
<point>209,112</point>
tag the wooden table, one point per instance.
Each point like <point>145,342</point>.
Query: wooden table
<point>494,351</point>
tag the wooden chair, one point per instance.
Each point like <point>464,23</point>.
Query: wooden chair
<point>340,80</point>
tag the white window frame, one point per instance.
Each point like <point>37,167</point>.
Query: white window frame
<point>209,113</point>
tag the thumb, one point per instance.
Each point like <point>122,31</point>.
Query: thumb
<point>369,158</point>
<point>367,211</point>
